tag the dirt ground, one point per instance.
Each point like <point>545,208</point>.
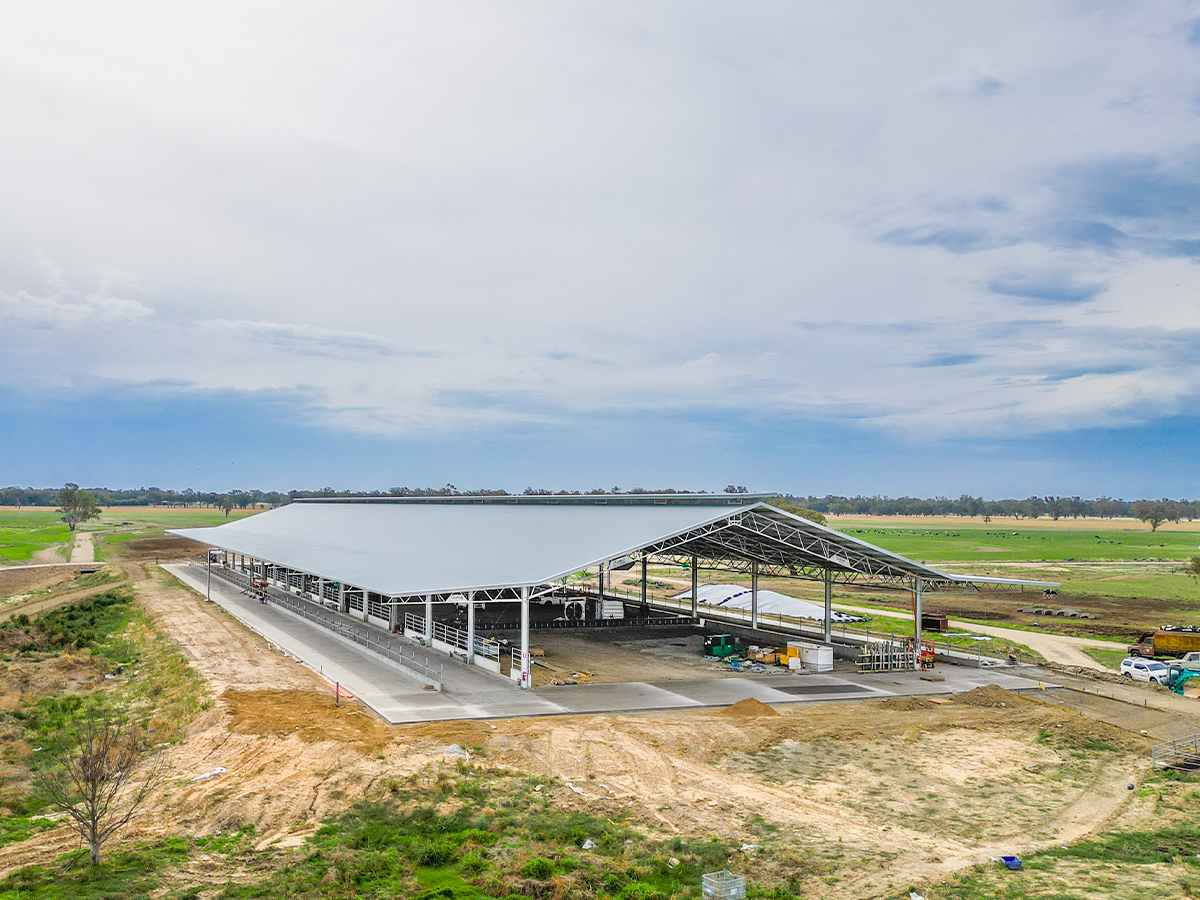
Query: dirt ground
<point>18,580</point>
<point>887,793</point>
<point>640,654</point>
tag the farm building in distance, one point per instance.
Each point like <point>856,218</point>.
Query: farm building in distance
<point>446,570</point>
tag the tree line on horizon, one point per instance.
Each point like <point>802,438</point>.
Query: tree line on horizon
<point>1152,511</point>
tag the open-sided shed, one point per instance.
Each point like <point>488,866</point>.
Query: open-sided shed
<point>373,556</point>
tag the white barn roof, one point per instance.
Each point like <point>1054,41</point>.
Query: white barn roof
<point>410,547</point>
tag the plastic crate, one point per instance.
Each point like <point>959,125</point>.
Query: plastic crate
<point>723,885</point>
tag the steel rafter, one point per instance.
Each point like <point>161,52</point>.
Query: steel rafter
<point>780,546</point>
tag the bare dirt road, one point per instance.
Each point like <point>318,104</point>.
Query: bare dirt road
<point>28,597</point>
<point>83,550</point>
<point>1057,648</point>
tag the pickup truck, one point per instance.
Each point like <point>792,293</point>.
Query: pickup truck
<point>1170,640</point>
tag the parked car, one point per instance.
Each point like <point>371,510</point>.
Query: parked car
<point>1140,669</point>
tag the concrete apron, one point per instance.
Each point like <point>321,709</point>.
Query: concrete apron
<point>474,694</point>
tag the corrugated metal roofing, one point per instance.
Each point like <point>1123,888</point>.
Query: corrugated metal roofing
<point>410,548</point>
<point>402,549</point>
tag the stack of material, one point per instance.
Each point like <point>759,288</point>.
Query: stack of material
<point>735,596</point>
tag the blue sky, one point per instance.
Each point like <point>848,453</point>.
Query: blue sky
<point>856,248</point>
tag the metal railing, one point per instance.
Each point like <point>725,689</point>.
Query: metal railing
<point>455,637</point>
<point>627,622</point>
<point>413,622</point>
<point>365,637</point>
<point>487,647</point>
<point>1181,753</point>
<point>450,635</point>
<point>859,632</point>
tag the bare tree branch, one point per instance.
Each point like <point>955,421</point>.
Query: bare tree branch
<point>99,775</point>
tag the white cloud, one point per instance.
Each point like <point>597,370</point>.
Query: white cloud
<point>431,218</point>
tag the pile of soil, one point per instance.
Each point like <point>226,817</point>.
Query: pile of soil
<point>990,695</point>
<point>746,709</point>
<point>21,580</point>
<point>308,715</point>
<point>908,704</point>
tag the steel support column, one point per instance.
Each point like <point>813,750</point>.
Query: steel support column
<point>918,587</point>
<point>208,574</point>
<point>526,678</point>
<point>645,604</point>
<point>343,600</point>
<point>470,627</point>
<point>754,593</point>
<point>429,620</point>
<point>695,587</point>
<point>393,615</point>
<point>829,606</point>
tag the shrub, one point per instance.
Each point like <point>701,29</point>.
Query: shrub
<point>473,863</point>
<point>640,890</point>
<point>539,867</point>
<point>433,854</point>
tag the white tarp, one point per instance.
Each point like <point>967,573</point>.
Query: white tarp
<point>738,597</point>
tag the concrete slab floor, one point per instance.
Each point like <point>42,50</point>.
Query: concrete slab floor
<point>471,693</point>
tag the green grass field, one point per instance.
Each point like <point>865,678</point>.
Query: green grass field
<point>19,543</point>
<point>151,517</point>
<point>24,532</point>
<point>987,543</point>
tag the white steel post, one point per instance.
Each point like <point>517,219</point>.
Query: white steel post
<point>470,627</point>
<point>754,593</point>
<point>429,620</point>
<point>829,606</point>
<point>695,588</point>
<point>343,600</point>
<point>526,680</point>
<point>208,576</point>
<point>393,614</point>
<point>644,603</point>
<point>917,610</point>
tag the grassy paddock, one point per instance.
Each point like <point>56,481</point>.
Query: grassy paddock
<point>19,543</point>
<point>1030,542</point>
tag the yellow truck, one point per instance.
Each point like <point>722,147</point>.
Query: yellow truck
<point>1170,640</point>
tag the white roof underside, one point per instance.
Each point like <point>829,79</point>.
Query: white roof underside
<point>404,549</point>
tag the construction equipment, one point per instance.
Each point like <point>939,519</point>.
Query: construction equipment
<point>1180,673</point>
<point>1179,679</point>
<point>720,646</point>
<point>768,655</point>
<point>1169,640</point>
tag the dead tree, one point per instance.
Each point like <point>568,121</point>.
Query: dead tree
<point>99,775</point>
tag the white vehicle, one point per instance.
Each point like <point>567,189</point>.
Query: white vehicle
<point>1140,669</point>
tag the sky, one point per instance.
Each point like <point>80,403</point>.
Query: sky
<point>858,248</point>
